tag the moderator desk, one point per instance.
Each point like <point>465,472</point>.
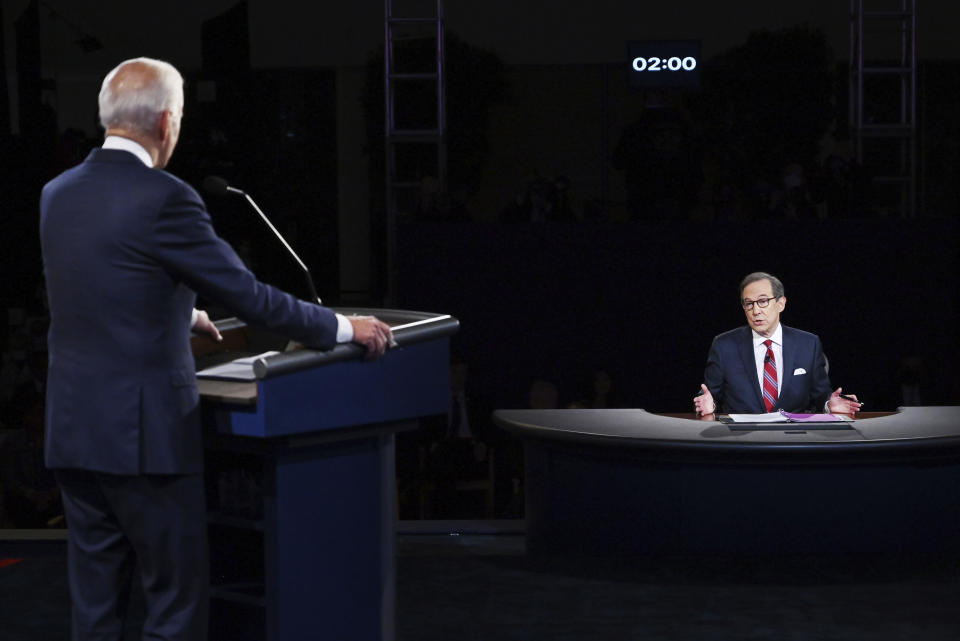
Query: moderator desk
<point>627,481</point>
<point>300,480</point>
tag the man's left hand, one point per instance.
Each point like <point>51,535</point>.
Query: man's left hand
<point>372,333</point>
<point>205,326</point>
<point>839,405</point>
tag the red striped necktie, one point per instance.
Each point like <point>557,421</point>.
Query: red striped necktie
<point>769,377</point>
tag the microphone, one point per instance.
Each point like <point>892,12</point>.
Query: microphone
<point>219,187</point>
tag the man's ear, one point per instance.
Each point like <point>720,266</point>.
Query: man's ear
<point>783,302</point>
<point>163,125</point>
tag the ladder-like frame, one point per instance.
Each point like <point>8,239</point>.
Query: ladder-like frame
<point>399,183</point>
<point>901,131</point>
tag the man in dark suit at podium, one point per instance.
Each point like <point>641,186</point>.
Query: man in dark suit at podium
<point>765,366</point>
<point>125,247</point>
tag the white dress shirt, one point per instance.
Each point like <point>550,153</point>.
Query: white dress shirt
<point>125,144</point>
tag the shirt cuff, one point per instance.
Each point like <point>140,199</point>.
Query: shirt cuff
<point>344,329</point>
<point>194,316</point>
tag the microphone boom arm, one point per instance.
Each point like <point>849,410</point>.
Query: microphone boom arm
<point>306,272</point>
<point>220,187</point>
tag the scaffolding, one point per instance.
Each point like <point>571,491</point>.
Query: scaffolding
<point>415,114</point>
<point>883,100</point>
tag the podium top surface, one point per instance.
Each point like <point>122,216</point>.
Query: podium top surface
<point>330,393</point>
<point>409,328</point>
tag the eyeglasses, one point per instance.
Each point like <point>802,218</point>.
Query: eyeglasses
<point>761,302</point>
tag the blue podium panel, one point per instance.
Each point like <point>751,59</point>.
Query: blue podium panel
<point>406,383</point>
<point>328,556</point>
<point>312,440</point>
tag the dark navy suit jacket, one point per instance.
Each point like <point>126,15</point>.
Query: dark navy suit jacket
<point>731,373</point>
<point>125,248</point>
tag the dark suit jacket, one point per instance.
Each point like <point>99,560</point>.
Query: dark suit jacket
<point>731,373</point>
<point>125,248</point>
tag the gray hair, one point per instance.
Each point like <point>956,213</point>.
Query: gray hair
<point>145,89</point>
<point>755,276</point>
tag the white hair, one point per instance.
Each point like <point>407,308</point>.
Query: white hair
<point>137,104</point>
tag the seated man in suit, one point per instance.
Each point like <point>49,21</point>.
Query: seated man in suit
<point>764,366</point>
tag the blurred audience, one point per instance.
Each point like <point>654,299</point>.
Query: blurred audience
<point>438,205</point>
<point>659,162</point>
<point>911,379</point>
<point>792,198</point>
<point>445,450</point>
<point>28,494</point>
<point>541,200</point>
<point>596,393</point>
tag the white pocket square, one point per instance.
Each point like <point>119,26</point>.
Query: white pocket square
<point>799,371</point>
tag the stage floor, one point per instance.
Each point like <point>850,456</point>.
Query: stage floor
<point>484,587</point>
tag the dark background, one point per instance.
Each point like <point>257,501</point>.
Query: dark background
<point>644,300</point>
<point>595,285</point>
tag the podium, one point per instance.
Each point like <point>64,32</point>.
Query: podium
<point>300,481</point>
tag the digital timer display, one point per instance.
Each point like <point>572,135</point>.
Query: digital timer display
<point>674,63</point>
<point>664,63</point>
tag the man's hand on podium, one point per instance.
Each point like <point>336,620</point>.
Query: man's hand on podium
<point>203,325</point>
<point>372,333</point>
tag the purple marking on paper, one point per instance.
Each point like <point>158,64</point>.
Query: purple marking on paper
<point>811,418</point>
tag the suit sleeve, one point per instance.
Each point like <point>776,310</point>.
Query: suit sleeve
<point>713,375</point>
<point>189,249</point>
<point>820,389</point>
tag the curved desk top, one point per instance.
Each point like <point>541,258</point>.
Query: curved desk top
<point>932,431</point>
<point>621,482</point>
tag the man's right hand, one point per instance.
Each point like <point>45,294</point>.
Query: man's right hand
<point>703,402</point>
<point>372,333</point>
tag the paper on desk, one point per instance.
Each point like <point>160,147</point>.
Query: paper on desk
<point>787,417</point>
<point>240,369</point>
<point>813,418</point>
<point>772,417</point>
